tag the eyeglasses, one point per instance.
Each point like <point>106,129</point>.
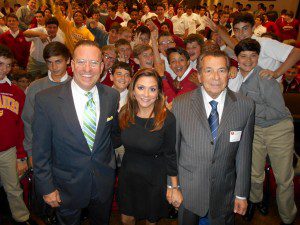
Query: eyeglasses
<point>83,62</point>
<point>109,58</point>
<point>166,42</point>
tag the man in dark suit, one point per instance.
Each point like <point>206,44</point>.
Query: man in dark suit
<point>73,128</point>
<point>214,142</point>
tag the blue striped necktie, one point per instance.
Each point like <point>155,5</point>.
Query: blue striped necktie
<point>213,119</point>
<point>89,120</point>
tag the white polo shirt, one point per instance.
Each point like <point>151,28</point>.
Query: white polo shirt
<point>37,46</point>
<point>179,25</point>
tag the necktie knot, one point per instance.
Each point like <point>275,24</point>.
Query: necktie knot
<point>89,95</point>
<point>213,104</point>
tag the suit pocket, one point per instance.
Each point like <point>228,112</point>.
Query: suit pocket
<point>62,174</point>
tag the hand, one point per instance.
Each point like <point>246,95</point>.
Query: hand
<point>30,164</point>
<point>268,74</point>
<point>176,198</point>
<point>121,57</point>
<point>53,199</point>
<point>160,67</point>
<point>21,167</point>
<point>137,39</point>
<point>232,72</point>
<point>44,38</point>
<point>209,23</point>
<point>240,206</point>
<point>169,195</point>
<point>154,33</point>
<point>169,106</point>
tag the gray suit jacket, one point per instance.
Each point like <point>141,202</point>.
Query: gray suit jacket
<point>211,175</point>
<point>61,157</point>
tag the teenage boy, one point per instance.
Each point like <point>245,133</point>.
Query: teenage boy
<point>124,52</point>
<point>121,77</point>
<point>143,56</point>
<point>275,57</point>
<point>12,155</point>
<point>39,38</point>
<point>14,39</point>
<point>112,18</point>
<point>74,30</point>
<point>57,58</point>
<point>194,43</point>
<point>109,54</point>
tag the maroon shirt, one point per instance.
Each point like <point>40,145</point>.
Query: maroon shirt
<point>110,21</point>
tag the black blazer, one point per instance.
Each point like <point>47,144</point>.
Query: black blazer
<point>61,157</point>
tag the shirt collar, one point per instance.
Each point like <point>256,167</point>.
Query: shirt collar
<point>220,99</point>
<point>14,34</point>
<point>188,70</point>
<point>81,91</point>
<point>62,79</point>
<point>248,75</point>
<point>5,80</point>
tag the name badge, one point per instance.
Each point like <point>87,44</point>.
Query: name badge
<point>235,136</point>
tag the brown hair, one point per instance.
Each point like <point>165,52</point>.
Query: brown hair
<point>139,49</point>
<point>130,109</point>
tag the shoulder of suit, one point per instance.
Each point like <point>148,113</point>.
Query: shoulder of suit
<point>50,92</point>
<point>186,96</point>
<point>109,90</point>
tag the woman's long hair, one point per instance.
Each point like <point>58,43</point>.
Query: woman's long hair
<point>131,108</point>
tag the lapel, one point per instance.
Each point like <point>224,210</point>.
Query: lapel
<point>104,110</point>
<point>68,110</point>
<point>199,109</point>
<point>228,111</point>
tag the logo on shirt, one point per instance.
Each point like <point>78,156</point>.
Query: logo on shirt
<point>8,103</point>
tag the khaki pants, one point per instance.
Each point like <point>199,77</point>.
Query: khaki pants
<point>35,67</point>
<point>278,142</point>
<point>10,181</point>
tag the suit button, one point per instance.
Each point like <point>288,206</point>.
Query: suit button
<point>212,143</point>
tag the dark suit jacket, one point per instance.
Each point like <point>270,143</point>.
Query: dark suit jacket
<point>211,175</point>
<point>61,157</point>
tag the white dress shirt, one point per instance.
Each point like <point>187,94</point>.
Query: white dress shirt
<point>80,101</point>
<point>220,99</point>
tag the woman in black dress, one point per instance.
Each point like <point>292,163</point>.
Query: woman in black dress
<point>148,135</point>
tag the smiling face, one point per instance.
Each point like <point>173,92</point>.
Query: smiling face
<point>146,59</point>
<point>178,63</point>
<point>13,24</point>
<point>124,51</point>
<point>87,66</point>
<point>165,42</point>
<point>52,30</point>
<point>5,66</point>
<point>242,30</point>
<point>146,92</point>
<point>78,18</point>
<point>213,75</point>
<point>109,58</point>
<point>121,79</point>
<point>194,50</point>
<point>247,61</point>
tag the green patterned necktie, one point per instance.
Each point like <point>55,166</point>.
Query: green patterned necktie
<point>89,120</point>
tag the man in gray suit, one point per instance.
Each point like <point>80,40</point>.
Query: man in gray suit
<point>73,128</point>
<point>214,142</point>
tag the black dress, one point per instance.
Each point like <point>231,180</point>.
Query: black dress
<point>149,157</point>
